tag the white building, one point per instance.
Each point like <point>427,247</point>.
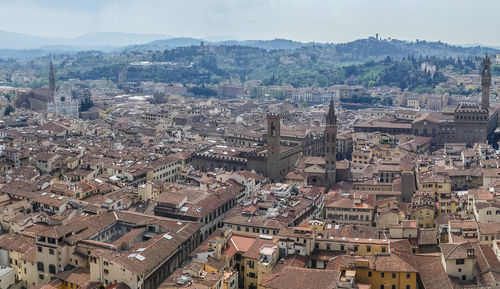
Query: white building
<point>63,103</point>
<point>6,277</point>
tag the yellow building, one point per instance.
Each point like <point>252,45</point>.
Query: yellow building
<point>448,205</point>
<point>259,262</point>
<point>489,233</point>
<point>413,102</point>
<point>396,270</point>
<point>435,184</point>
<point>362,156</point>
<point>424,214</point>
<point>21,254</point>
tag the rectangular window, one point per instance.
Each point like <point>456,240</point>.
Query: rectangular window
<point>393,287</point>
<point>40,249</point>
<point>408,275</point>
<point>39,266</point>
<point>393,275</point>
<point>51,251</point>
<point>460,261</point>
<point>369,274</point>
<point>382,275</point>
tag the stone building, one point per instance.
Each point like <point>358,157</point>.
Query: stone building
<point>274,160</point>
<point>469,123</point>
<point>60,101</point>
<point>64,103</point>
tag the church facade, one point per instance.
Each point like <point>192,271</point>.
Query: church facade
<point>64,103</point>
<point>51,99</point>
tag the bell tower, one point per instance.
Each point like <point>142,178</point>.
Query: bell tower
<point>273,146</point>
<point>485,83</point>
<point>331,145</point>
<point>52,79</point>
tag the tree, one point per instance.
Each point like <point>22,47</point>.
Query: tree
<point>202,91</point>
<point>86,104</point>
<point>8,110</point>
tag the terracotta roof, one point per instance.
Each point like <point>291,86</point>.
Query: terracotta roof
<point>78,276</point>
<point>253,251</point>
<point>489,266</point>
<point>427,237</point>
<point>432,273</point>
<point>489,228</point>
<point>455,251</point>
<point>298,278</point>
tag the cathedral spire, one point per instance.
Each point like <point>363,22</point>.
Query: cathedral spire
<point>52,78</point>
<point>331,118</point>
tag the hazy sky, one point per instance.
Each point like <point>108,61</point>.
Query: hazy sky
<point>454,21</point>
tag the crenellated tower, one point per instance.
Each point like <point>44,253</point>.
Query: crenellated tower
<point>485,83</point>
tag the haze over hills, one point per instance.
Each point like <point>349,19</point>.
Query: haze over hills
<point>11,40</point>
<point>24,47</point>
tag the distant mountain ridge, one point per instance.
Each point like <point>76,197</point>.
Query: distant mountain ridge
<point>158,45</point>
<point>23,46</point>
<point>97,41</point>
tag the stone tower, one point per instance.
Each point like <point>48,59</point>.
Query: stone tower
<point>408,186</point>
<point>273,146</point>
<point>331,145</point>
<point>485,83</point>
<point>52,79</point>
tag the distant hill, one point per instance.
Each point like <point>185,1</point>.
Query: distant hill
<point>363,48</point>
<point>267,44</point>
<point>159,45</point>
<point>356,50</point>
<point>30,46</point>
<point>103,40</point>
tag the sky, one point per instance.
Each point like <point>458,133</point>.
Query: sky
<point>452,21</point>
